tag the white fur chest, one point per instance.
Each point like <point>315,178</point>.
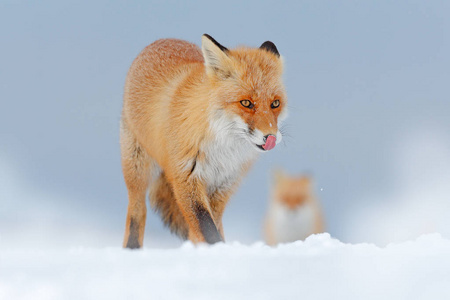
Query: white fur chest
<point>225,156</point>
<point>292,224</point>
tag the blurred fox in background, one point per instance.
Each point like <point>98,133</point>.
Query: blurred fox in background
<point>294,212</point>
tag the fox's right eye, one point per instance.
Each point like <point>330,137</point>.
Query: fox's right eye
<point>247,103</point>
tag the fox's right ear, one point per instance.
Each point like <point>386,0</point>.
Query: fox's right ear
<point>216,58</point>
<point>269,46</point>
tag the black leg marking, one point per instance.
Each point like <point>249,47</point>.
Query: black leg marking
<point>207,226</point>
<point>133,239</point>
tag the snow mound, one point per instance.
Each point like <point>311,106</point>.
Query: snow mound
<point>318,268</point>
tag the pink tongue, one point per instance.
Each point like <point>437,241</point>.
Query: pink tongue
<point>270,143</point>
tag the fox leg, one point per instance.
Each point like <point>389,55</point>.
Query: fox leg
<point>218,202</point>
<point>136,171</point>
<point>193,202</point>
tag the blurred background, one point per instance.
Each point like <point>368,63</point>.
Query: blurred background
<point>369,96</point>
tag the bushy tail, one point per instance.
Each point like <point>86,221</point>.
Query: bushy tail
<point>162,200</point>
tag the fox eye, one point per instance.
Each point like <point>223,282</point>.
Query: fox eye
<point>247,103</point>
<point>275,104</point>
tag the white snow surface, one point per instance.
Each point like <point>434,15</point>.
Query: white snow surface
<point>318,268</point>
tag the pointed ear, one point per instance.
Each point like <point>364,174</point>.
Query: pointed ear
<point>269,46</point>
<point>307,180</point>
<point>216,58</point>
<point>278,175</point>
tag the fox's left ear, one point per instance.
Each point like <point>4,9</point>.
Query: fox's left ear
<point>216,58</point>
<point>269,46</point>
<point>278,175</point>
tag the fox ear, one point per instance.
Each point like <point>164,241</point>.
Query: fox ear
<point>269,46</point>
<point>215,55</point>
<point>278,175</point>
<point>307,181</point>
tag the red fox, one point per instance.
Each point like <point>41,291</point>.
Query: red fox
<point>193,121</point>
<point>294,212</point>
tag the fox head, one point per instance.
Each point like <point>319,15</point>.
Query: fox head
<point>247,87</point>
<point>292,191</point>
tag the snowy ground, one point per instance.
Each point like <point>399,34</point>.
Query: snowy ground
<point>319,268</point>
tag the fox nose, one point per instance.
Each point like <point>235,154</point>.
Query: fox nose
<point>269,142</point>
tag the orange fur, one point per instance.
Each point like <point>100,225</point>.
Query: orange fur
<point>290,196</point>
<point>174,98</point>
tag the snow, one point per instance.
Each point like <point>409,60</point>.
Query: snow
<point>319,268</point>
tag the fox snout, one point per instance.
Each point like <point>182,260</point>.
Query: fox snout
<point>266,142</point>
<point>269,142</point>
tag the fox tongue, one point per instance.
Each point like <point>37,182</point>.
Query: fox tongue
<point>270,143</point>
